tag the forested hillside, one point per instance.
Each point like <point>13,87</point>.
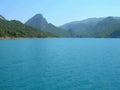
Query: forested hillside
<point>17,29</point>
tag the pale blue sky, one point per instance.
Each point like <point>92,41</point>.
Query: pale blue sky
<point>59,12</point>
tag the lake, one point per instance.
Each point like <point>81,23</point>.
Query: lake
<point>60,64</point>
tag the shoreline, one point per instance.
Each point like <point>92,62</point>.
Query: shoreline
<point>15,38</point>
<point>9,38</point>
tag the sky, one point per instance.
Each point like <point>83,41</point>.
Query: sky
<point>59,12</point>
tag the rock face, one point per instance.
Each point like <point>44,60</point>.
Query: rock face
<point>1,17</point>
<point>37,21</point>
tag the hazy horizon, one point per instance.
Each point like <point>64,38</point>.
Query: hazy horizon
<point>59,12</point>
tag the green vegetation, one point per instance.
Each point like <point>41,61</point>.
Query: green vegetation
<point>95,27</point>
<point>17,29</point>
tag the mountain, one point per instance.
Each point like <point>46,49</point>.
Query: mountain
<point>39,22</point>
<point>15,28</point>
<point>81,28</point>
<point>94,27</point>
<point>108,27</point>
<point>1,17</point>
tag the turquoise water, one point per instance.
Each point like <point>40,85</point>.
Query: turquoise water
<point>60,64</point>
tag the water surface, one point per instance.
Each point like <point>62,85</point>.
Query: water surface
<point>60,64</point>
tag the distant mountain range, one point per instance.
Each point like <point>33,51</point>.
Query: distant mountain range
<point>108,27</point>
<point>37,26</point>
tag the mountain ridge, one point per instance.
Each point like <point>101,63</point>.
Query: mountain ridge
<point>105,27</point>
